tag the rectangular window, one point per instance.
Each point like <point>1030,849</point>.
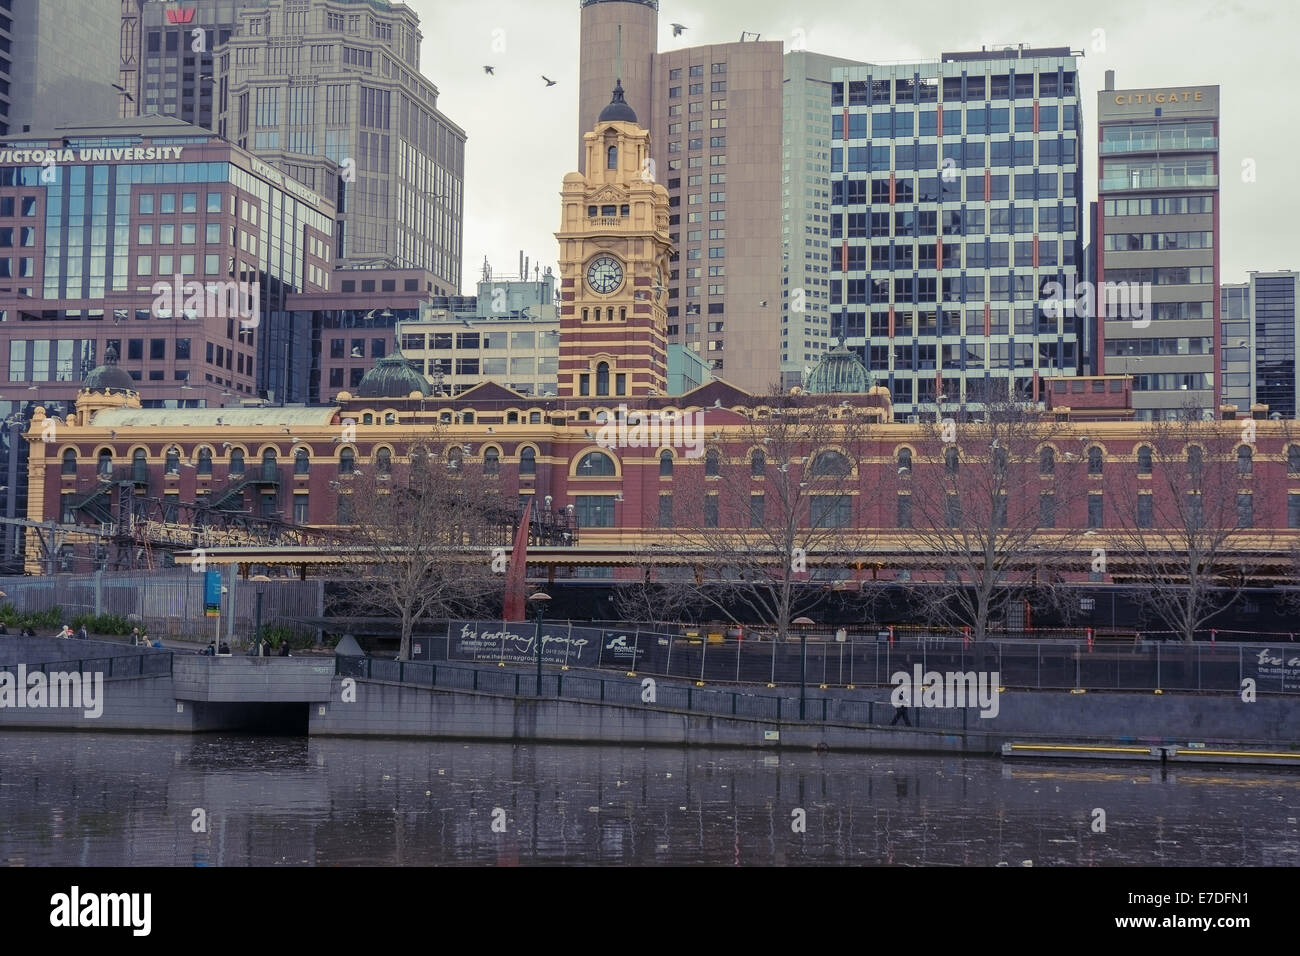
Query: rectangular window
<point>1094,511</point>
<point>905,511</point>
<point>830,511</point>
<point>711,511</point>
<point>594,511</point>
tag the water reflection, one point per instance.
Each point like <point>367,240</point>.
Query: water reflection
<point>124,800</point>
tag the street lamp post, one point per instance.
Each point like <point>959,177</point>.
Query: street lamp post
<point>539,600</point>
<point>802,623</point>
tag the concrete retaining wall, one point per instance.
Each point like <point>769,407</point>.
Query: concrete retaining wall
<point>252,679</point>
<point>406,711</point>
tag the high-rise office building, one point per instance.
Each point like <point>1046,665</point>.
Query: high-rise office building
<point>1236,346</point>
<point>315,86</point>
<point>955,200</point>
<point>806,211</point>
<point>1158,227</point>
<point>715,115</point>
<point>717,130</point>
<point>177,43</point>
<point>129,58</point>
<point>58,63</point>
<point>1258,341</point>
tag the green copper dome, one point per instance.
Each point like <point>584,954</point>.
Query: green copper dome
<point>840,372</point>
<point>108,377</point>
<point>392,378</point>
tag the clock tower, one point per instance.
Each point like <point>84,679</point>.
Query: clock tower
<point>614,255</point>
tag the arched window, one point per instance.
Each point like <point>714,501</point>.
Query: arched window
<point>534,418</point>
<point>384,461</point>
<point>904,461</point>
<point>368,419</point>
<point>712,463</point>
<point>1094,461</point>
<point>205,461</point>
<point>757,464</point>
<point>173,465</point>
<point>596,464</point>
<point>611,158</point>
<point>1047,461</point>
<point>491,462</point>
<point>1293,459</point>
<point>391,419</point>
<point>139,467</point>
<point>950,461</point>
<point>665,464</point>
<point>301,462</point>
<point>1144,460</point>
<point>602,378</point>
<point>512,418</point>
<point>69,462</point>
<point>1245,460</point>
<point>270,466</point>
<point>236,461</point>
<point>1194,459</point>
<point>830,464</point>
<point>527,462</point>
<point>105,462</point>
<point>347,461</point>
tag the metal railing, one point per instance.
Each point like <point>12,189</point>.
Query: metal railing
<point>1126,662</point>
<point>148,664</point>
<point>758,704</point>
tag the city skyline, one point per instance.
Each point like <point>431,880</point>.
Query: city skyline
<point>543,40</point>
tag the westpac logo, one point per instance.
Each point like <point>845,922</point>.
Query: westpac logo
<point>653,430</point>
<point>198,300</point>
<point>180,16</point>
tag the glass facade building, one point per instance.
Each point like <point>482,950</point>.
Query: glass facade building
<point>956,197</point>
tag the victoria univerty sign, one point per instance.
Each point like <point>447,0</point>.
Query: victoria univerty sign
<point>105,155</point>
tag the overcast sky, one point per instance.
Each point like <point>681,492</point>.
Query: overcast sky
<point>523,135</point>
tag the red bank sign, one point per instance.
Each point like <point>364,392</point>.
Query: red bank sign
<point>180,16</point>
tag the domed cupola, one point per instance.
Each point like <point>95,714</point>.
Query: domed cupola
<point>392,378</point>
<point>840,372</point>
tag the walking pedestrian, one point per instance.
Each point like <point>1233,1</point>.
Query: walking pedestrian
<point>65,633</point>
<point>81,634</point>
<point>900,713</point>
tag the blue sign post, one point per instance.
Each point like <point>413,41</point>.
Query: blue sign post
<point>212,594</point>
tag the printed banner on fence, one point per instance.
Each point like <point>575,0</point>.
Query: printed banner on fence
<point>518,644</point>
<point>1274,668</point>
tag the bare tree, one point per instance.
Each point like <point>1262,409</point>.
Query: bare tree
<point>773,514</point>
<point>989,501</point>
<point>422,525</point>
<point>1179,518</point>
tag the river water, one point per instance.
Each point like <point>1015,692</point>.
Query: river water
<point>89,799</point>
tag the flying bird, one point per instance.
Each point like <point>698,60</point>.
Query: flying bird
<point>677,29</point>
<point>549,81</point>
<point>489,70</point>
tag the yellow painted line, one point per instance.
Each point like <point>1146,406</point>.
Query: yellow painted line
<point>1239,753</point>
<point>1080,748</point>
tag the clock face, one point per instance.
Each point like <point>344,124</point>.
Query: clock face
<point>604,275</point>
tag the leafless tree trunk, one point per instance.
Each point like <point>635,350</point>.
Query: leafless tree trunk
<point>992,502</point>
<point>423,527</point>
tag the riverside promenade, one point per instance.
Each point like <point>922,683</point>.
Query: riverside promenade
<point>159,690</point>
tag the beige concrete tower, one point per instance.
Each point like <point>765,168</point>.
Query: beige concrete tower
<point>599,66</point>
<point>614,253</point>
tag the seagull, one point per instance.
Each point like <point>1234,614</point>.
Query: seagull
<point>717,403</point>
<point>112,433</point>
<point>225,445</point>
<point>995,444</point>
<point>905,471</point>
<point>489,70</point>
<point>286,429</point>
<point>762,304</point>
<point>356,353</point>
<point>591,436</point>
<point>619,496</point>
<point>677,29</point>
<point>549,81</point>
